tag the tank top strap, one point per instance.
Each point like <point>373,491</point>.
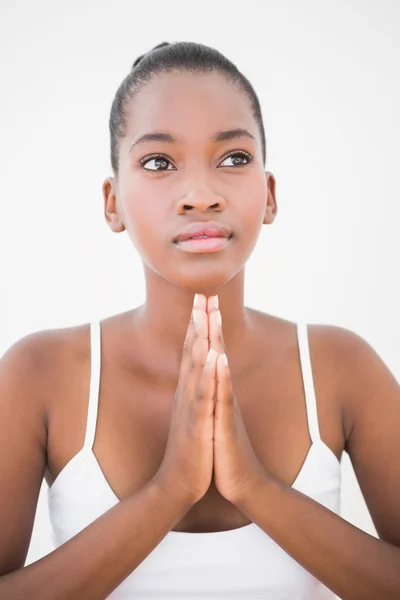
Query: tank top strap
<point>95,364</point>
<point>308,383</point>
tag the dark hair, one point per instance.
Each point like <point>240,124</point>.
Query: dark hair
<point>165,58</point>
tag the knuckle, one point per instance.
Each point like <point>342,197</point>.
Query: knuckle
<point>192,366</point>
<point>200,395</point>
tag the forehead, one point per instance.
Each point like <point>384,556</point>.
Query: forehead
<point>190,105</point>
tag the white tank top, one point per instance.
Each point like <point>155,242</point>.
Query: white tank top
<point>243,563</point>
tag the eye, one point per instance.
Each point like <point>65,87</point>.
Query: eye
<point>159,160</point>
<point>237,157</point>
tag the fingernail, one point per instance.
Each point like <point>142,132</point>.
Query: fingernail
<point>216,302</point>
<point>195,300</point>
<point>224,360</point>
<point>211,354</point>
<point>219,318</point>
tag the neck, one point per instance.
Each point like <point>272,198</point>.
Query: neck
<point>165,316</point>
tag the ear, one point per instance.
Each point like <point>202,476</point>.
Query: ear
<point>111,205</point>
<point>271,208</point>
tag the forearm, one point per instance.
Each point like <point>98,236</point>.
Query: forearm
<point>95,561</point>
<point>350,562</point>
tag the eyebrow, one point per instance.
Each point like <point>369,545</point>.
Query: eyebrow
<point>220,136</point>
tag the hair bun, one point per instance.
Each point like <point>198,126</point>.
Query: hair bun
<point>162,45</point>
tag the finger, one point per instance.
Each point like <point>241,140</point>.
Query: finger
<point>215,325</point>
<point>224,403</point>
<point>204,398</point>
<point>198,303</point>
<point>195,346</point>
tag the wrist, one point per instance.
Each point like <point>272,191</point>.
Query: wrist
<point>255,485</point>
<point>171,494</point>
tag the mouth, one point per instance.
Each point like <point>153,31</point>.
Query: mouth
<point>203,244</point>
<point>203,237</point>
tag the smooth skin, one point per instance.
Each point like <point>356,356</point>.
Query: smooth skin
<point>215,420</point>
<point>190,445</point>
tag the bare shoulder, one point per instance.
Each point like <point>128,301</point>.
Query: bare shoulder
<point>38,359</point>
<point>29,357</point>
<point>363,380</point>
<point>351,364</point>
<point>343,352</point>
<point>346,368</point>
<point>371,396</point>
<point>39,346</point>
<point>327,340</point>
<point>368,394</point>
<point>25,370</point>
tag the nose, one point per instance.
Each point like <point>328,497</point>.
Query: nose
<point>202,200</point>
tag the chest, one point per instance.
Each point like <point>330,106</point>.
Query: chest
<point>134,410</point>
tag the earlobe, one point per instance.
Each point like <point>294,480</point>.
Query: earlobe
<point>271,208</point>
<point>110,205</point>
<point>269,216</point>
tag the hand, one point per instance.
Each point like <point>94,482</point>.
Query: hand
<point>187,466</point>
<point>237,470</point>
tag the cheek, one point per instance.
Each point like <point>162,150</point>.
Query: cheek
<point>143,215</point>
<point>142,229</point>
<point>251,211</point>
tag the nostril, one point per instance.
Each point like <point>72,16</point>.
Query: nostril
<point>190,207</point>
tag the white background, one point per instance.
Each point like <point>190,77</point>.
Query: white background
<point>327,75</point>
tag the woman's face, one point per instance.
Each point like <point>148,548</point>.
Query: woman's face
<point>191,182</point>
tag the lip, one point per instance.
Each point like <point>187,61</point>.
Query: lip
<point>210,230</point>
<point>209,244</point>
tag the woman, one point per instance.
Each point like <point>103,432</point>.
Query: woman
<point>191,449</point>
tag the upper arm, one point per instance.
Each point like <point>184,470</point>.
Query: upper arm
<point>22,446</point>
<point>371,403</point>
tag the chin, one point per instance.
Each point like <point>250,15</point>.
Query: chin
<point>203,275</point>
<point>203,282</point>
